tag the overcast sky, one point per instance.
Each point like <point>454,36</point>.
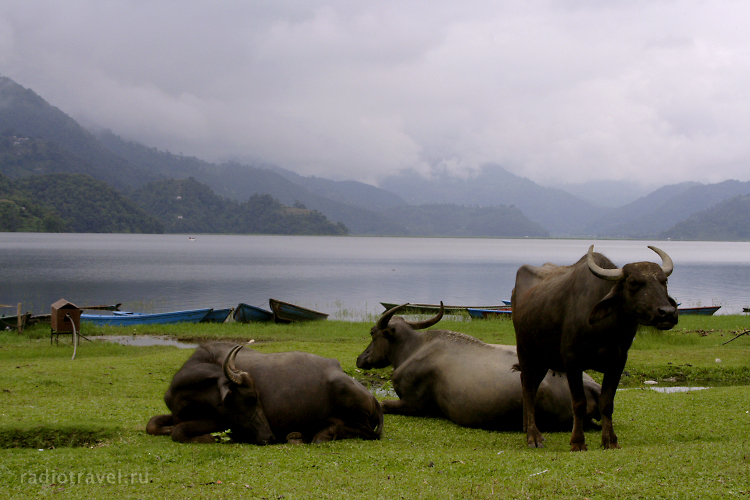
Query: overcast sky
<point>653,91</point>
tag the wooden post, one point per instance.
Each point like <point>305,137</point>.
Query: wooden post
<point>20,319</point>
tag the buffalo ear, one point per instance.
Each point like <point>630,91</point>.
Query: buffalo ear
<point>225,388</point>
<point>604,308</point>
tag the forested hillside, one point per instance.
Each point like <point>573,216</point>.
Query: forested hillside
<point>187,206</point>
<point>75,203</point>
<point>727,221</point>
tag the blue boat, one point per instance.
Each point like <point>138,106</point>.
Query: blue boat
<point>703,311</point>
<point>283,312</point>
<point>122,318</point>
<point>245,313</point>
<point>217,316</point>
<point>488,313</point>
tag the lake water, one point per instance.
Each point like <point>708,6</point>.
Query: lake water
<point>346,277</point>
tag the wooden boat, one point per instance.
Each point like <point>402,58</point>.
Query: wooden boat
<point>11,322</point>
<point>245,313</point>
<point>434,308</point>
<point>217,315</point>
<point>489,313</point>
<point>124,318</point>
<point>705,311</point>
<point>283,312</point>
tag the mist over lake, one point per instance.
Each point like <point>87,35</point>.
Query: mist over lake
<point>346,277</point>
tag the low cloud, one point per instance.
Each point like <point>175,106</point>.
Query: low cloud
<point>653,92</point>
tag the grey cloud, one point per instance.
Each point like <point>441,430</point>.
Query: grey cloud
<point>647,91</point>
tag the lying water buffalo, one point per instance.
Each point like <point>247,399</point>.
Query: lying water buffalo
<point>448,374</point>
<point>294,395</point>
<point>585,316</point>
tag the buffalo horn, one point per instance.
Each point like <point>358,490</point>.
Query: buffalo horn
<point>230,370</point>
<point>419,325</point>
<point>666,262</point>
<point>386,317</point>
<point>600,272</point>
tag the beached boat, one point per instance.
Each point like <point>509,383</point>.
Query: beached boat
<point>434,308</point>
<point>217,315</point>
<point>10,322</point>
<point>488,313</point>
<point>245,313</point>
<point>283,312</point>
<point>705,311</point>
<point>124,318</point>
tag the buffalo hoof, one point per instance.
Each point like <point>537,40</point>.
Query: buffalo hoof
<point>578,447</point>
<point>294,438</point>
<point>535,440</point>
<point>610,445</point>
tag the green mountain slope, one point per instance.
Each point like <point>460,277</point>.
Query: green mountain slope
<point>187,206</point>
<point>239,182</point>
<point>74,203</point>
<point>24,114</point>
<point>726,221</point>
<point>665,207</point>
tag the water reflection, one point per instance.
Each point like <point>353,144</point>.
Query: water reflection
<point>144,340</point>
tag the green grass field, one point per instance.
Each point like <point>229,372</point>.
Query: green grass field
<point>75,428</point>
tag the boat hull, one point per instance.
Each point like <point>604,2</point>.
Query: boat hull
<point>703,311</point>
<point>126,319</point>
<point>217,316</point>
<point>245,313</point>
<point>284,312</point>
<point>489,313</point>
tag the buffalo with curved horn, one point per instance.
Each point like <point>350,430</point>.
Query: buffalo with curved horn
<point>585,316</point>
<point>295,396</point>
<point>448,374</point>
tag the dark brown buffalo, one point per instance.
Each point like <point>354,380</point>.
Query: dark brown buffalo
<point>585,316</point>
<point>448,374</point>
<point>297,396</point>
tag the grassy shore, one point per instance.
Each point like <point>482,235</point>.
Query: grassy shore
<point>75,428</point>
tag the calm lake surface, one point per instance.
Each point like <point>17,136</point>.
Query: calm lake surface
<point>346,277</point>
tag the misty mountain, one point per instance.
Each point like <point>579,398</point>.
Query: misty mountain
<point>458,221</point>
<point>25,114</point>
<point>657,212</point>
<point>607,193</point>
<point>728,220</point>
<point>561,213</point>
<point>350,192</point>
<point>240,182</point>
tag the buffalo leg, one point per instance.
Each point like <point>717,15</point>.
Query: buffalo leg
<point>530,380</point>
<point>578,396</point>
<point>403,407</point>
<point>606,405</point>
<point>196,431</point>
<point>335,430</point>
<point>160,425</point>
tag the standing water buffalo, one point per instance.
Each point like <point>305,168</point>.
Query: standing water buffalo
<point>585,316</point>
<point>447,374</point>
<point>296,395</point>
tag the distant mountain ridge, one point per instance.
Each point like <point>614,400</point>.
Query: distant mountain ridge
<point>38,139</point>
<point>657,212</point>
<point>561,213</point>
<point>728,220</point>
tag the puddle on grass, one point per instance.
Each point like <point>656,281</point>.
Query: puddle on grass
<point>144,340</point>
<point>672,390</point>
